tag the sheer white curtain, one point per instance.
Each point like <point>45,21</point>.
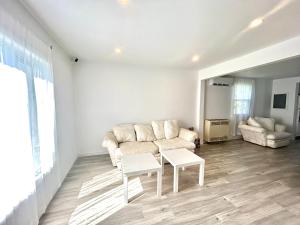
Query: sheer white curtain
<point>45,119</point>
<point>16,163</point>
<point>242,102</point>
<point>28,171</point>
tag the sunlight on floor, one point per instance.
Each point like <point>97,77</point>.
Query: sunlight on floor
<point>99,208</point>
<point>99,182</point>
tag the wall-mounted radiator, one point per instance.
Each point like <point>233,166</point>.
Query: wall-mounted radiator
<point>216,130</point>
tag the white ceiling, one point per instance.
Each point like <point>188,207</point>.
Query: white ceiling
<point>166,32</point>
<point>281,69</point>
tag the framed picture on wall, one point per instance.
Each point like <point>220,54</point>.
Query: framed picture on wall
<point>280,101</point>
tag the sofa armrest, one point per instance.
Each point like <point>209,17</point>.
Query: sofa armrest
<point>110,141</point>
<point>242,122</point>
<point>188,135</point>
<point>253,129</point>
<point>280,127</point>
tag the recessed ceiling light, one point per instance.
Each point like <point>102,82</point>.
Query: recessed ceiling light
<point>195,58</point>
<point>256,23</point>
<point>123,2</point>
<point>118,50</point>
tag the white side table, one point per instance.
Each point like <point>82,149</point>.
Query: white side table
<point>137,164</point>
<point>180,158</point>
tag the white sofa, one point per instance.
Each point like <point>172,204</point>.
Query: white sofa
<point>265,132</point>
<point>140,138</point>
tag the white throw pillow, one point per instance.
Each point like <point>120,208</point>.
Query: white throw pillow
<point>267,123</point>
<point>252,122</point>
<point>144,132</point>
<point>171,129</point>
<point>124,133</point>
<point>158,128</point>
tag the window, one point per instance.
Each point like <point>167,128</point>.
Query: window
<point>241,103</point>
<point>41,110</point>
<point>45,120</point>
<point>16,163</point>
<point>242,97</point>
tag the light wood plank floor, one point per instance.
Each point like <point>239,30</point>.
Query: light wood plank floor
<point>244,184</point>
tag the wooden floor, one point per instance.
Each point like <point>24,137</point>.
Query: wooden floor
<point>244,184</point>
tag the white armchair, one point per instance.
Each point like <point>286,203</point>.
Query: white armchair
<point>264,131</point>
<point>280,128</point>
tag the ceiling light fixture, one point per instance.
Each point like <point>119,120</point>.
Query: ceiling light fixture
<point>256,23</point>
<point>195,58</point>
<point>118,51</point>
<point>123,2</point>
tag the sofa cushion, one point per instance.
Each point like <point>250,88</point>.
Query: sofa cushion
<point>144,132</point>
<point>252,122</point>
<point>167,144</point>
<point>138,147</point>
<point>158,128</point>
<point>171,129</point>
<point>267,123</point>
<point>278,135</point>
<point>252,129</point>
<point>124,133</point>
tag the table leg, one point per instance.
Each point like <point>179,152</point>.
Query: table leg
<point>149,174</point>
<point>201,174</point>
<point>125,181</point>
<point>176,174</point>
<point>159,183</point>
<point>162,164</point>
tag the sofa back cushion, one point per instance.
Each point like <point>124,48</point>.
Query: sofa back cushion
<point>158,128</point>
<point>252,122</point>
<point>171,129</point>
<point>124,133</point>
<point>144,132</point>
<point>267,123</point>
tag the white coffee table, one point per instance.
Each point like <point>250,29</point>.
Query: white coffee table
<point>137,164</point>
<point>180,158</point>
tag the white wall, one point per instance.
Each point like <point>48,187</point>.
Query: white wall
<point>109,94</point>
<point>62,69</point>
<point>200,110</point>
<point>282,86</point>
<point>263,93</point>
<point>65,115</point>
<point>218,100</point>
